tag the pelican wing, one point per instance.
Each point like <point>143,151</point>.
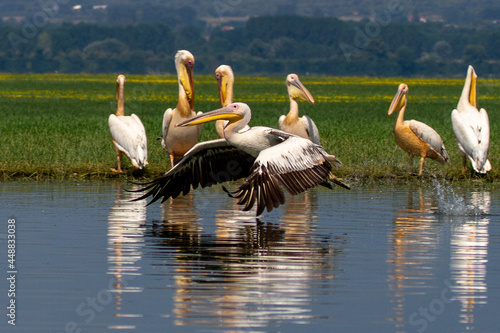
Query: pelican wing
<point>130,137</point>
<point>140,126</point>
<point>281,120</point>
<point>167,117</point>
<point>206,164</point>
<point>285,135</point>
<point>473,137</point>
<point>311,129</point>
<point>297,164</point>
<point>484,133</point>
<point>143,140</point>
<point>428,135</point>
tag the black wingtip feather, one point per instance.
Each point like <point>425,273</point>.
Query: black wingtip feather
<point>201,167</point>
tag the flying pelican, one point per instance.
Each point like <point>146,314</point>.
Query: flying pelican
<point>472,127</point>
<point>177,141</point>
<point>415,137</point>
<point>269,159</point>
<point>291,123</point>
<point>225,80</point>
<point>127,132</point>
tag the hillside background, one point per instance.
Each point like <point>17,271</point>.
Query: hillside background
<point>356,37</point>
<point>153,11</point>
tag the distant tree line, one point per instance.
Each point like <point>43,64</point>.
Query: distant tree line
<point>264,45</point>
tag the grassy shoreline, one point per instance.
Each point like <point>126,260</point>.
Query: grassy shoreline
<point>54,126</point>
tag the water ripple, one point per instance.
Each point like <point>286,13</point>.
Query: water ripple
<point>247,273</point>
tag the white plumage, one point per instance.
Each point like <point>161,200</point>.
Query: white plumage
<point>127,132</point>
<point>472,127</point>
<point>269,159</point>
<point>177,141</point>
<point>428,135</point>
<point>301,126</point>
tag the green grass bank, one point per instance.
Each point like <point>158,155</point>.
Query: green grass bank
<point>56,126</point>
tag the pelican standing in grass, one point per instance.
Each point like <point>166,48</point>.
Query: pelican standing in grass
<point>291,123</point>
<point>127,132</point>
<point>177,141</point>
<point>472,127</point>
<point>225,81</point>
<point>269,158</point>
<point>415,137</point>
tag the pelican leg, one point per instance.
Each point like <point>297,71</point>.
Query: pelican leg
<point>410,164</point>
<point>422,159</point>
<point>464,163</point>
<point>172,159</point>
<point>119,160</point>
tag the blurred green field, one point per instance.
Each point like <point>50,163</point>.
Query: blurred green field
<point>56,126</point>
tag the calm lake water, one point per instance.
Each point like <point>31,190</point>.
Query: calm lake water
<point>373,259</point>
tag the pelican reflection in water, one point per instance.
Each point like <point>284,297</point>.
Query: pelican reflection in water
<point>180,217</point>
<point>468,257</point>
<point>126,228</point>
<point>299,217</point>
<point>246,273</point>
<point>413,251</point>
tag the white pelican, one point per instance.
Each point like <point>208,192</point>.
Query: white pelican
<point>291,123</point>
<point>225,81</point>
<point>177,141</point>
<point>127,132</point>
<point>415,137</point>
<point>269,159</point>
<point>472,127</point>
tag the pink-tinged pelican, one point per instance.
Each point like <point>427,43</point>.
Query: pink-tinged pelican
<point>415,137</point>
<point>225,81</point>
<point>177,141</point>
<point>291,123</point>
<point>127,132</point>
<point>472,127</point>
<point>269,159</point>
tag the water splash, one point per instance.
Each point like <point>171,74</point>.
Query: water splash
<point>450,203</point>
